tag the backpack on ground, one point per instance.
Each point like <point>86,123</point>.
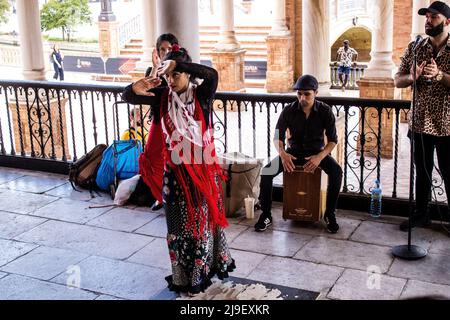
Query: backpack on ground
<point>83,172</point>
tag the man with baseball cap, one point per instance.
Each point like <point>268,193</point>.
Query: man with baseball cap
<point>306,119</point>
<point>432,111</point>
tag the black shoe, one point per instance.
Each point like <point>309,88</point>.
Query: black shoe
<point>416,221</point>
<point>263,223</point>
<point>332,225</point>
<point>157,206</point>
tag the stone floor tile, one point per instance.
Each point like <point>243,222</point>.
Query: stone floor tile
<point>70,211</point>
<point>67,191</point>
<point>15,287</point>
<point>346,254</point>
<point>11,224</point>
<point>11,250</point>
<point>361,285</point>
<point>102,198</point>
<point>270,242</point>
<point>441,242</point>
<point>155,228</point>
<point>434,268</point>
<point>44,263</point>
<point>386,234</point>
<point>23,202</point>
<point>246,262</point>
<point>155,254</point>
<point>8,175</point>
<point>234,230</point>
<point>347,226</point>
<point>86,239</point>
<point>417,289</point>
<point>123,219</point>
<point>35,184</point>
<point>296,274</point>
<point>120,279</point>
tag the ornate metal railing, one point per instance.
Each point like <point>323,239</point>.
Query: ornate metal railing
<point>129,30</point>
<point>10,56</point>
<point>49,125</point>
<point>356,73</point>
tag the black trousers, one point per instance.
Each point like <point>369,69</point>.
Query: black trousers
<point>274,168</point>
<point>424,146</point>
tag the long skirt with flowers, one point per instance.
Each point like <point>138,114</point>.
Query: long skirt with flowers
<point>194,260</point>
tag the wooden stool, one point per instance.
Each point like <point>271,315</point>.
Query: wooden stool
<point>304,195</point>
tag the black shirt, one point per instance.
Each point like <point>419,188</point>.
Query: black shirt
<point>307,135</point>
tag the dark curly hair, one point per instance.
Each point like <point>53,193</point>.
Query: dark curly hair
<point>178,54</point>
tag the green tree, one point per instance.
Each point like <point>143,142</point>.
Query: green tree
<point>65,14</point>
<point>4,9</point>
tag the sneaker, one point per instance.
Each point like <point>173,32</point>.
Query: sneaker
<point>416,221</point>
<point>263,223</point>
<point>332,226</point>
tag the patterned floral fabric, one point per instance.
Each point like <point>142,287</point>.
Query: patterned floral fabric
<point>346,57</point>
<point>194,261</point>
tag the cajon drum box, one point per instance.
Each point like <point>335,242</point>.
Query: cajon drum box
<point>304,195</point>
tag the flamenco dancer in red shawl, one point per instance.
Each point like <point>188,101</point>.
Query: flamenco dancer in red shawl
<point>180,166</point>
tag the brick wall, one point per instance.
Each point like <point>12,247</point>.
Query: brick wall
<point>294,22</point>
<point>402,27</point>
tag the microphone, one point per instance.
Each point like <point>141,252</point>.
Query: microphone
<point>417,42</point>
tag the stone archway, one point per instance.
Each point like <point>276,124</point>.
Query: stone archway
<point>360,39</point>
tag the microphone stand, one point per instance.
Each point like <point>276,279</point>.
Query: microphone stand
<point>411,252</point>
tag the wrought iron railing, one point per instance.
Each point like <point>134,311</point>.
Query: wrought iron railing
<point>49,125</point>
<point>129,30</point>
<point>356,73</point>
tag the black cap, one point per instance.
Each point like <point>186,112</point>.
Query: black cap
<point>306,82</point>
<point>436,7</point>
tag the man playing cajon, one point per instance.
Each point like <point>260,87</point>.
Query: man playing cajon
<point>307,119</point>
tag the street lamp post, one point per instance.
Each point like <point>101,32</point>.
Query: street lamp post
<point>106,13</point>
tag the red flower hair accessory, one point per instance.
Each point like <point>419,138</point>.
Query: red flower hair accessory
<point>175,47</point>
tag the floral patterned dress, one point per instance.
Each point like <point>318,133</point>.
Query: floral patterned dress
<point>194,260</point>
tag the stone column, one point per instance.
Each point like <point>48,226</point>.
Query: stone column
<point>418,22</point>
<point>180,17</point>
<point>148,23</point>
<point>316,39</point>
<point>227,57</point>
<point>280,65</point>
<point>32,52</point>
<point>378,80</point>
<point>381,64</point>
<point>108,38</point>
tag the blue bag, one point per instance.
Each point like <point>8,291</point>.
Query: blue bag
<point>120,160</point>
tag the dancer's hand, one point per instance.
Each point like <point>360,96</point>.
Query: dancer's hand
<point>166,67</point>
<point>155,58</point>
<point>142,86</point>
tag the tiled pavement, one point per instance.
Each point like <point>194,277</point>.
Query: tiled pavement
<point>53,246</point>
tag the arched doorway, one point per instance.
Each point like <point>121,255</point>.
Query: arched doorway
<point>360,39</point>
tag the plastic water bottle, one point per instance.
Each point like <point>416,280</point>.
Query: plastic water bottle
<point>375,200</point>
